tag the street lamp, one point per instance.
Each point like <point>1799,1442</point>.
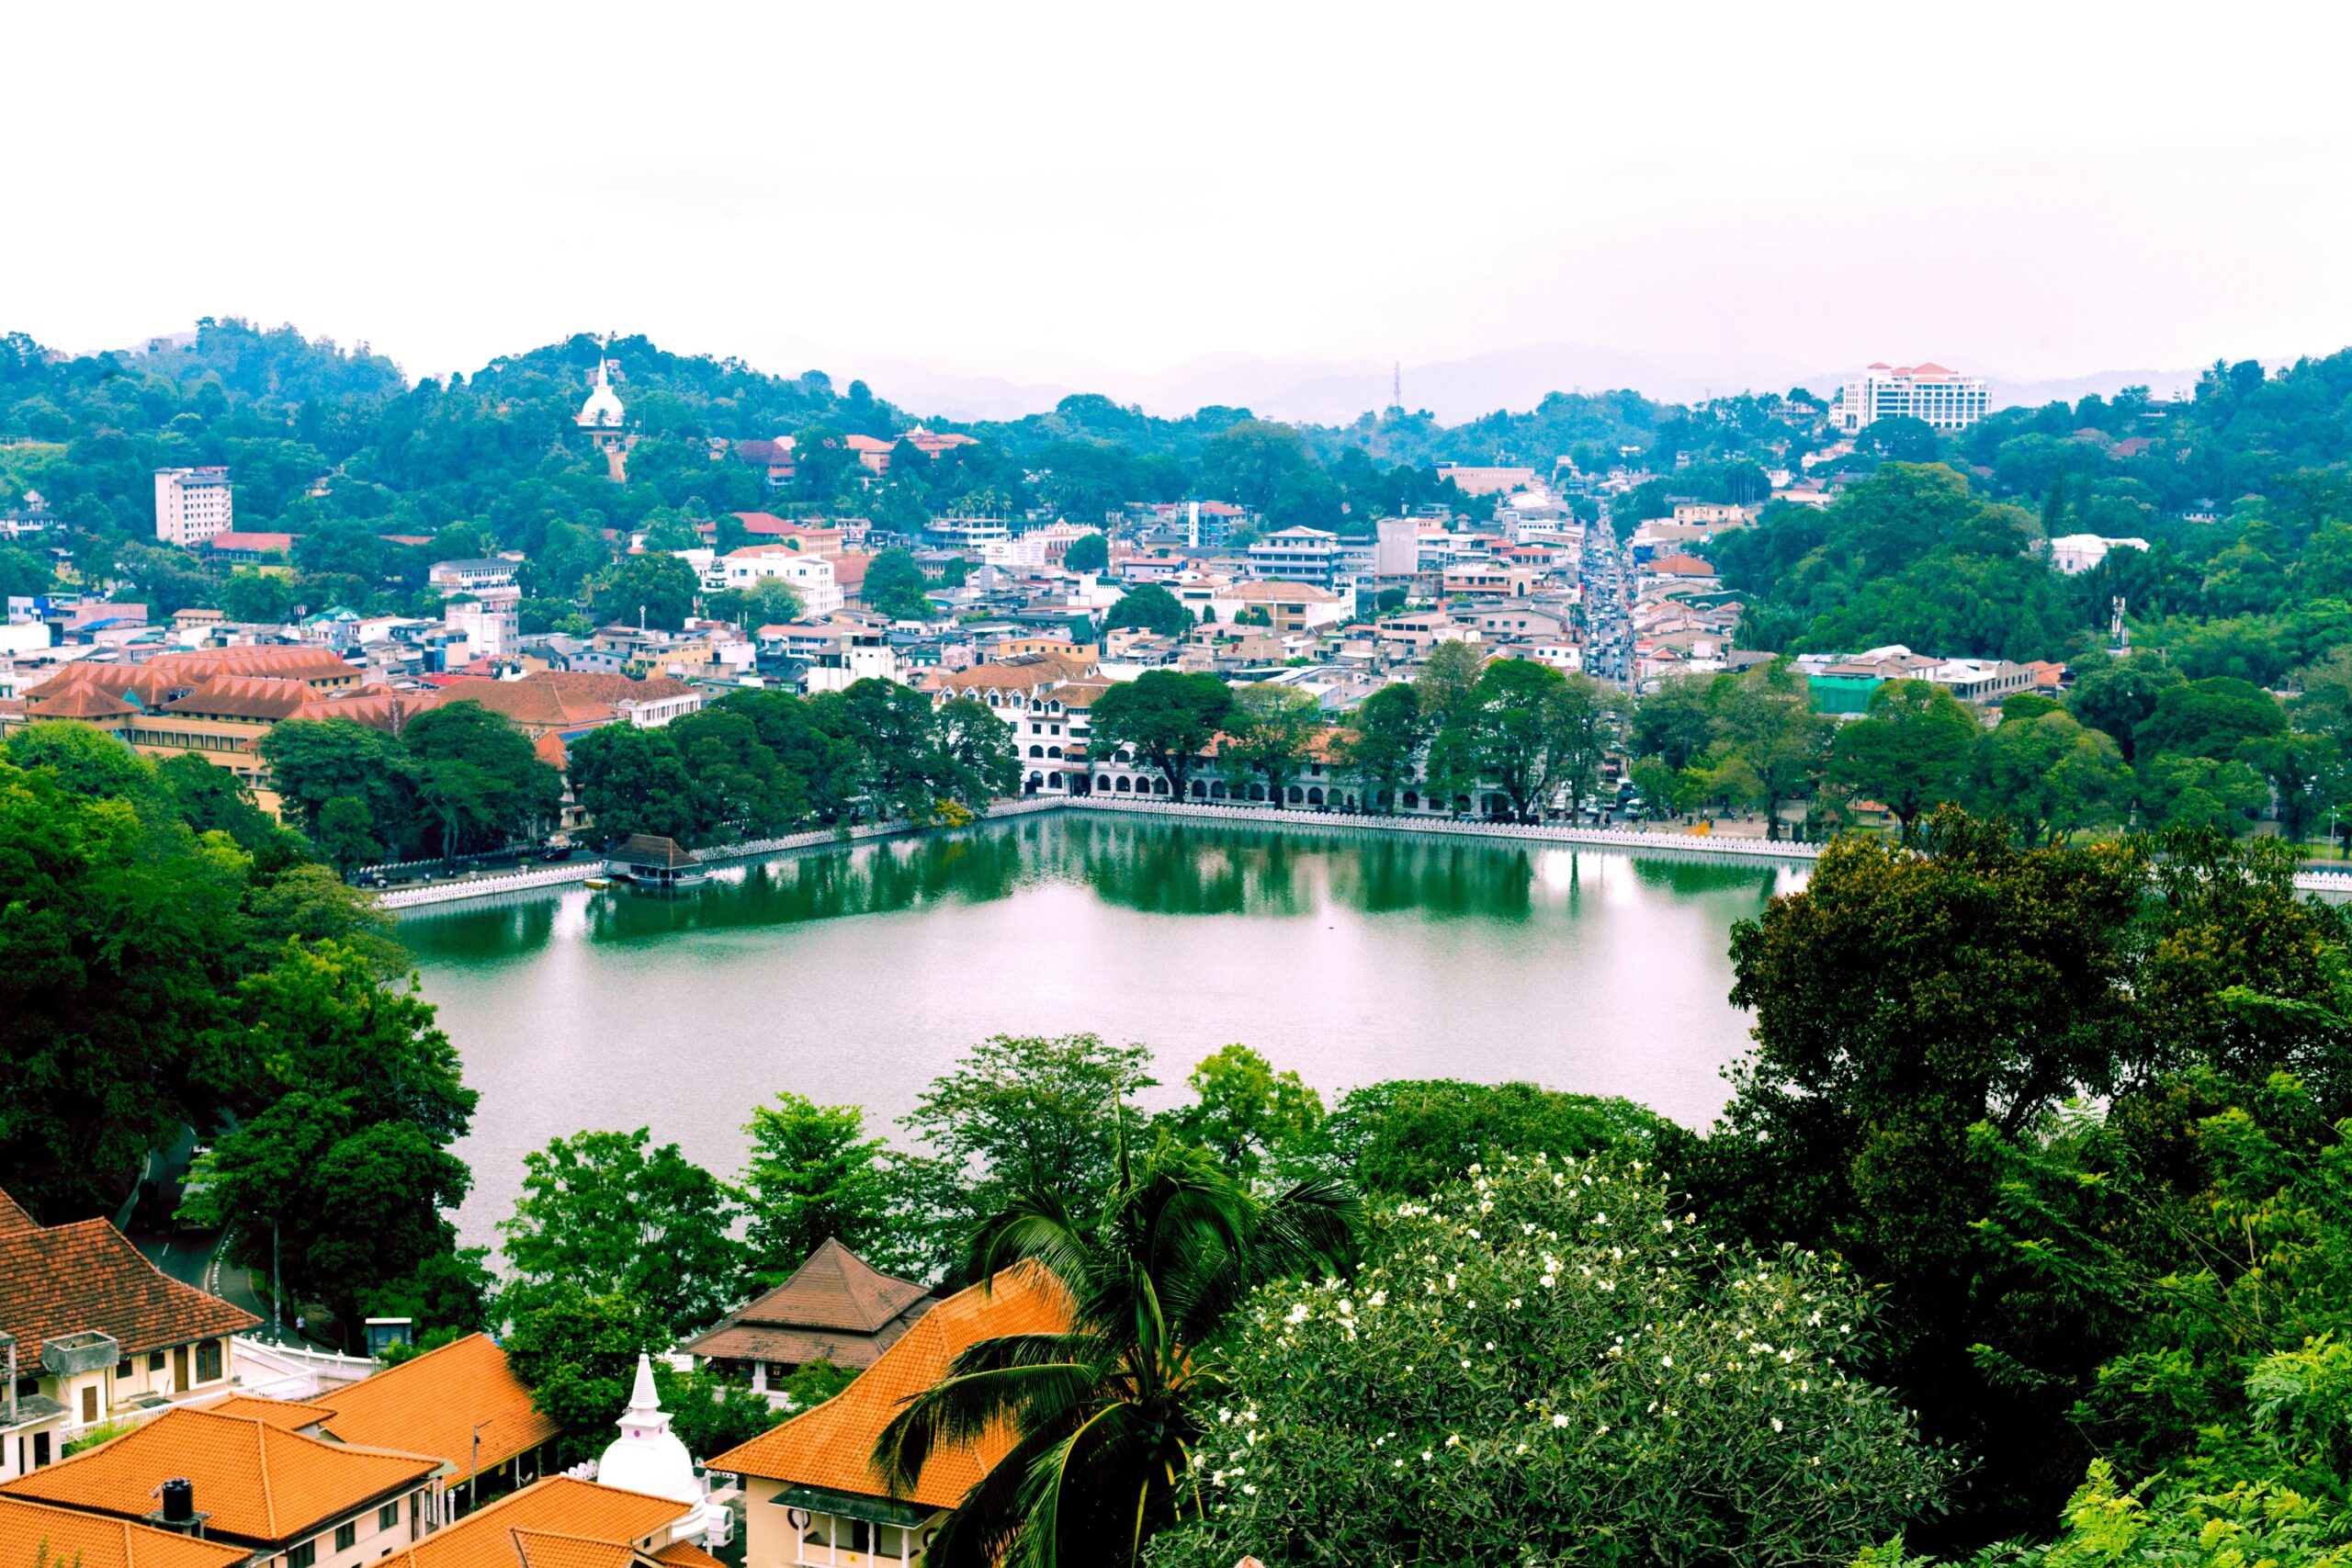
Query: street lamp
<point>473,1462</point>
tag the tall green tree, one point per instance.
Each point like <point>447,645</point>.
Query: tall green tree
<point>894,587</point>
<point>2049,777</point>
<point>1150,607</point>
<point>478,782</point>
<point>812,1173</point>
<point>655,588</point>
<point>613,1216</point>
<point>1243,1112</point>
<point>1111,1417</point>
<point>1380,749</point>
<point>1168,717</point>
<point>1912,751</point>
<point>1268,736</point>
<point>629,780</point>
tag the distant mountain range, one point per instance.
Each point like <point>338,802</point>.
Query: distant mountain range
<point>1336,392</point>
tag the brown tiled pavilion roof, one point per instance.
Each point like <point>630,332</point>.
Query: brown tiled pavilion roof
<point>831,1447</point>
<point>72,1539</point>
<point>259,1484</point>
<point>558,1506</point>
<point>376,707</point>
<point>82,699</point>
<point>430,1403</point>
<point>73,1278</point>
<point>836,1307</point>
<point>648,849</point>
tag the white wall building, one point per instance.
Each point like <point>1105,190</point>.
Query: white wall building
<point>2075,553</point>
<point>1944,399</point>
<point>811,577</point>
<point>191,505</point>
<point>1296,555</point>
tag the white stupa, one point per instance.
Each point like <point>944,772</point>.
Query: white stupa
<point>648,1457</point>
<point>603,409</point>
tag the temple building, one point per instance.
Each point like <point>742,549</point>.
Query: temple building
<point>602,417</point>
<point>836,1307</point>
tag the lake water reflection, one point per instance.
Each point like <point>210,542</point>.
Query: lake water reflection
<point>856,975</point>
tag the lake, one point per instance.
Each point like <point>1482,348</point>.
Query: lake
<point>856,975</point>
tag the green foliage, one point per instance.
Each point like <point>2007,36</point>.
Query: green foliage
<point>1548,1362</point>
<point>1021,1115</point>
<point>1408,1137</point>
<point>1907,556</point>
<point>657,589</point>
<point>610,1214</point>
<point>1243,1112</point>
<point>1150,607</point>
<point>2050,778</point>
<point>1378,751</point>
<point>1089,552</point>
<point>1269,733</point>
<point>577,1351</point>
<point>812,1174</point>
<point>1912,751</point>
<point>894,587</point>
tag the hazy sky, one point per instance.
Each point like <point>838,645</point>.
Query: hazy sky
<point>2037,190</point>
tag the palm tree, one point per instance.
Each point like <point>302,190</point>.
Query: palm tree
<point>1107,1414</point>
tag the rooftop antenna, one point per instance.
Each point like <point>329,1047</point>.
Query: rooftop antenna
<point>2117,634</point>
<point>1397,386</point>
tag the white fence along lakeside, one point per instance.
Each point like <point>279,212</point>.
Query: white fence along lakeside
<point>1548,833</point>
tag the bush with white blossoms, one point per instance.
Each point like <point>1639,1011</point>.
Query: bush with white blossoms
<point>1548,1363</point>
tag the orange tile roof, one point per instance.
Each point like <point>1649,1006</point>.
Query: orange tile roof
<point>67,1536</point>
<point>80,700</point>
<point>530,702</point>
<point>600,686</point>
<point>686,1554</point>
<point>73,1278</point>
<point>285,1414</point>
<point>831,1447</point>
<point>558,1505</point>
<point>430,1403</point>
<point>259,1484</point>
<point>313,664</point>
<point>541,1548</point>
<point>243,696</point>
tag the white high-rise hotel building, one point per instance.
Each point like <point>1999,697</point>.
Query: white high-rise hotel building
<point>191,505</point>
<point>1944,399</point>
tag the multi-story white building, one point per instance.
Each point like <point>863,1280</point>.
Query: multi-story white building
<point>1296,555</point>
<point>191,505</point>
<point>820,595</point>
<point>1944,399</point>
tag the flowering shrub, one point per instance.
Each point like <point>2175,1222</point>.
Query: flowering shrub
<point>1546,1364</point>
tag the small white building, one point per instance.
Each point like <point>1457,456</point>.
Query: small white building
<point>2074,553</point>
<point>812,579</point>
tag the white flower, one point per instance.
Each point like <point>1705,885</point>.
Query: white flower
<point>1251,1488</point>
<point>1562,1420</point>
<point>1776,1423</point>
<point>1666,1361</point>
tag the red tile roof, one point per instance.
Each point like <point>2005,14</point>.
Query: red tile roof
<point>73,1278</point>
<point>260,1483</point>
<point>32,1532</point>
<point>507,1533</point>
<point>431,1404</point>
<point>243,696</point>
<point>256,543</point>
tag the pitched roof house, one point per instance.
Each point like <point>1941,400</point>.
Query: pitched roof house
<point>811,1484</point>
<point>461,1403</point>
<point>97,1330</point>
<point>316,1505</point>
<point>30,1532</point>
<point>836,1307</point>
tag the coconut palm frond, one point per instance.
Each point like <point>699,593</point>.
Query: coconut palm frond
<point>963,1409</point>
